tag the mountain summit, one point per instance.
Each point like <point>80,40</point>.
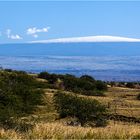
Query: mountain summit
<point>89,39</point>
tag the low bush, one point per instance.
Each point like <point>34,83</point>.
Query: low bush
<point>130,85</point>
<point>50,77</point>
<point>88,78</point>
<point>85,109</point>
<point>101,86</point>
<point>18,95</point>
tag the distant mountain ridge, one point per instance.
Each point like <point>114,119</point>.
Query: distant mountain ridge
<point>89,39</point>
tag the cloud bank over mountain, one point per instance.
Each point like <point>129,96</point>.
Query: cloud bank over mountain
<point>89,39</point>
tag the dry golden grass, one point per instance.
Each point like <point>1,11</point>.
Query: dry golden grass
<point>10,134</point>
<point>122,101</point>
<point>59,131</point>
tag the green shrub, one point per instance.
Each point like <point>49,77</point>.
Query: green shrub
<point>18,95</point>
<point>130,85</point>
<point>101,85</point>
<point>85,85</point>
<point>52,78</point>
<point>85,109</point>
<point>87,78</point>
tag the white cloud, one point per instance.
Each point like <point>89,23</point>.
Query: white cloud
<point>15,37</point>
<point>11,36</point>
<point>89,39</point>
<point>34,31</point>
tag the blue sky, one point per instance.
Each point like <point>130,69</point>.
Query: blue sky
<point>29,21</point>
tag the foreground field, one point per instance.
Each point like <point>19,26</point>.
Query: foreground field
<point>48,126</point>
<point>60,131</point>
<point>44,122</point>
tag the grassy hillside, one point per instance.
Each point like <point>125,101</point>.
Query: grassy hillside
<point>45,121</point>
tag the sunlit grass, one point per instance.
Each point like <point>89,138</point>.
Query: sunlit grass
<point>59,131</point>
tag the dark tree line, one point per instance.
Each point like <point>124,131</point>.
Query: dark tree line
<point>84,85</point>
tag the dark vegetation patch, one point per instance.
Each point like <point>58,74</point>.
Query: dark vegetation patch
<point>135,85</point>
<point>138,96</point>
<point>85,85</point>
<point>123,118</point>
<point>85,109</point>
<point>19,95</point>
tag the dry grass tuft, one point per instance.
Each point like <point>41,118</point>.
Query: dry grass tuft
<point>59,131</point>
<point>10,134</point>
